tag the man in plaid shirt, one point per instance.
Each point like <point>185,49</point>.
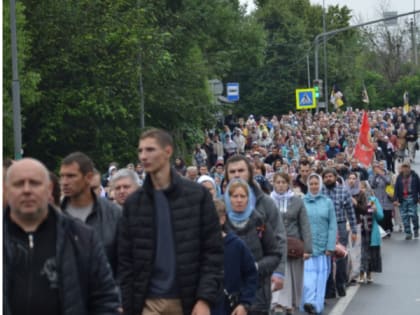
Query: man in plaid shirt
<point>344,212</point>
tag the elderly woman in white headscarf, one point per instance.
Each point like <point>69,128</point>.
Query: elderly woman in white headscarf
<point>210,184</point>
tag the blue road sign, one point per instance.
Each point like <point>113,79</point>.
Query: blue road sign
<point>232,91</point>
<point>305,98</point>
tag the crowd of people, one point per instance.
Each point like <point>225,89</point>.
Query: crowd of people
<point>259,222</point>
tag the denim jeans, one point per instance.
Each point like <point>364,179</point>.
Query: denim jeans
<point>409,214</point>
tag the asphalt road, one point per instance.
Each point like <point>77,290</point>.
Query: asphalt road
<point>395,291</point>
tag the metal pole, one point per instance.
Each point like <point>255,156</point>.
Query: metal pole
<point>316,58</point>
<point>324,28</point>
<point>413,42</point>
<point>416,60</point>
<point>141,86</point>
<point>141,90</point>
<point>339,30</point>
<point>309,71</point>
<point>17,127</point>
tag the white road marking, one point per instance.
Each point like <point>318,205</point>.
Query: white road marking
<point>343,302</point>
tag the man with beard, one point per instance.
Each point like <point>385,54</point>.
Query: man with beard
<point>344,211</point>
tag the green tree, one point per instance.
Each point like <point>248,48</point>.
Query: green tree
<point>88,55</point>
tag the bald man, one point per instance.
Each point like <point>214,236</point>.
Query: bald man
<point>54,265</point>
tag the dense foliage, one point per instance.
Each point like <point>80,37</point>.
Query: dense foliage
<point>86,65</point>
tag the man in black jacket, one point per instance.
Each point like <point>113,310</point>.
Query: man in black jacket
<point>80,201</point>
<point>54,265</point>
<point>170,250</point>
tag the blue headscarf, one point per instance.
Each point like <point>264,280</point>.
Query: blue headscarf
<point>239,217</point>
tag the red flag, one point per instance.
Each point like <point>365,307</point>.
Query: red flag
<point>364,149</point>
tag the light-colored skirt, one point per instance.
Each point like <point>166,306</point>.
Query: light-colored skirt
<point>291,293</point>
<point>316,272</point>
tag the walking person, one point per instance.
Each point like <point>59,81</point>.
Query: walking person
<point>380,178</point>
<point>358,197</point>
<point>297,225</point>
<point>240,272</point>
<point>254,230</point>
<point>407,190</point>
<point>411,137</point>
<point>239,167</point>
<point>323,223</point>
<point>170,241</point>
<point>370,260</point>
<point>344,211</point>
<point>81,202</point>
<point>54,264</point>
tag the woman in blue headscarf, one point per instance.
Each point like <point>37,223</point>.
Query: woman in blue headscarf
<point>251,227</point>
<point>323,222</point>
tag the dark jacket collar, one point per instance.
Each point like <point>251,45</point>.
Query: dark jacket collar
<point>66,201</point>
<point>173,186</point>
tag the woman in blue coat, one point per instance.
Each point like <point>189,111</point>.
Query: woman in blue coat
<point>323,222</point>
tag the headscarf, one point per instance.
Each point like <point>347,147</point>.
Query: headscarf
<point>320,185</point>
<point>281,200</point>
<point>206,178</point>
<point>239,217</point>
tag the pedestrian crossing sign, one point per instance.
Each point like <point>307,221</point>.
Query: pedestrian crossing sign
<point>305,99</point>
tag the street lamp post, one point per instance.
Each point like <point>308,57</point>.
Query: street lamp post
<point>324,28</point>
<point>17,125</point>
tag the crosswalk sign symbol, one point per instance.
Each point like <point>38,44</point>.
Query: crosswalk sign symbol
<point>305,99</point>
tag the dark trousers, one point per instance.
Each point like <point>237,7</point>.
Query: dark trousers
<point>341,278</point>
<point>341,266</point>
<point>386,222</point>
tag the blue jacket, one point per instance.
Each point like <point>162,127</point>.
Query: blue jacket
<point>375,237</point>
<point>323,222</point>
<point>240,274</point>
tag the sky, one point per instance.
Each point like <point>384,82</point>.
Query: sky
<point>366,10</point>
